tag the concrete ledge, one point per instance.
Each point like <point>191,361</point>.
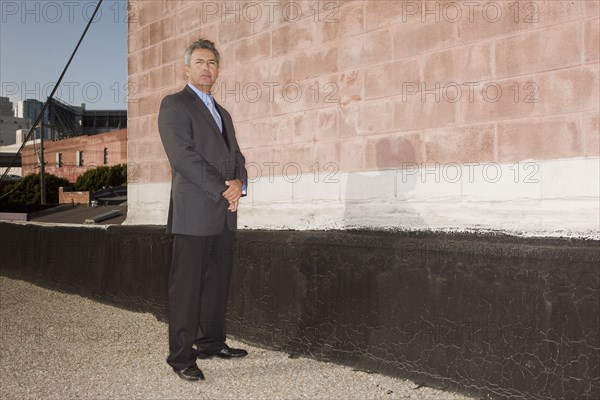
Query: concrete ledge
<point>10,216</point>
<point>493,315</point>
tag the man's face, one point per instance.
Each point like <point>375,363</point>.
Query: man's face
<point>203,69</point>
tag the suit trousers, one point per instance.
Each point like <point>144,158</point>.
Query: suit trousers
<point>198,288</point>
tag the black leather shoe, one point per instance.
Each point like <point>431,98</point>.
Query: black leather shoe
<point>225,352</point>
<point>191,373</point>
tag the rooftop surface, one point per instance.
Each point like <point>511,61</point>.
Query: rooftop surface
<point>79,213</point>
<point>62,346</point>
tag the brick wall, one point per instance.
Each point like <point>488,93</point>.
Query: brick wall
<point>67,196</point>
<point>93,154</point>
<point>323,95</point>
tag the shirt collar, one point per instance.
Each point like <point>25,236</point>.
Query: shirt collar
<point>206,98</point>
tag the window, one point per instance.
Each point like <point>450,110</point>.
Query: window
<point>79,158</point>
<point>58,160</point>
<point>105,156</point>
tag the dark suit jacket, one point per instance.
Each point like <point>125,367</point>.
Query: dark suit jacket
<point>202,159</point>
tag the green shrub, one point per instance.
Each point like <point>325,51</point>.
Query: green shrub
<point>95,179</point>
<point>27,190</point>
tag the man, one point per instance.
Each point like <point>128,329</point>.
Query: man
<point>208,179</point>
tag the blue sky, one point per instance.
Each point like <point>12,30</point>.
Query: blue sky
<point>36,41</point>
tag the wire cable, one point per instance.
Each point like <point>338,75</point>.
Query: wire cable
<point>37,121</point>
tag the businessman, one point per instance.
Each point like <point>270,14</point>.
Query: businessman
<point>208,180</point>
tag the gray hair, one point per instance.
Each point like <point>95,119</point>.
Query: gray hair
<point>200,44</point>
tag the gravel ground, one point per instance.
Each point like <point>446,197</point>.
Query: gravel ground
<point>60,346</point>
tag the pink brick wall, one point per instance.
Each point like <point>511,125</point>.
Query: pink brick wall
<point>370,85</point>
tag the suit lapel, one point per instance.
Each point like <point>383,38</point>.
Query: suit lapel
<point>227,129</point>
<point>203,110</point>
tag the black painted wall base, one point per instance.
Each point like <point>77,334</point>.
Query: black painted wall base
<point>490,315</point>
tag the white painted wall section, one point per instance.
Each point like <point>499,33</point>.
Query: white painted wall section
<point>532,198</point>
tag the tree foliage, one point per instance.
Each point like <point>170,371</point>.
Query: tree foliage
<point>95,179</point>
<point>27,190</point>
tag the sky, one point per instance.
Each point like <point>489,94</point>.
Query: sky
<point>37,39</point>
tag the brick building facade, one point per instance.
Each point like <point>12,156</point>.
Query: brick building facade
<point>71,157</point>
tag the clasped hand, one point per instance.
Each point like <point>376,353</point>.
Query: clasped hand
<point>233,193</point>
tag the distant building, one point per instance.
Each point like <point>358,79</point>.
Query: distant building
<point>98,121</point>
<point>69,158</point>
<point>76,139</point>
<point>6,107</point>
<point>63,120</point>
<point>31,108</point>
<point>9,124</point>
<point>10,160</point>
<point>60,119</point>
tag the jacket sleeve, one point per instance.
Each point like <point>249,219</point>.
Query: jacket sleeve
<point>240,165</point>
<point>175,130</point>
